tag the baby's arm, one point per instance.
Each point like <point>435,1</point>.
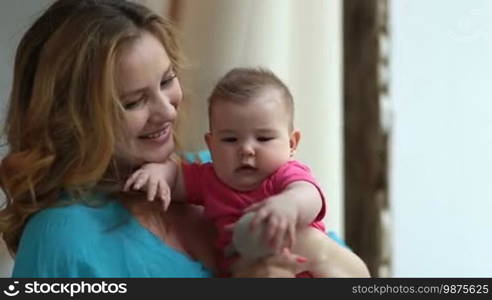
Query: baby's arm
<point>296,206</point>
<point>158,179</point>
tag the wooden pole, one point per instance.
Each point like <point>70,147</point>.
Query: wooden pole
<point>365,143</point>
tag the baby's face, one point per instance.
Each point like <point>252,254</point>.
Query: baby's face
<point>249,141</point>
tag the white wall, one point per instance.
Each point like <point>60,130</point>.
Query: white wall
<point>441,88</point>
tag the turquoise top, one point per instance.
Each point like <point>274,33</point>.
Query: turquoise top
<point>77,240</point>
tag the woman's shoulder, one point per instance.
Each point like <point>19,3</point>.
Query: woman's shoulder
<point>77,216</point>
<point>79,240</point>
<point>63,241</point>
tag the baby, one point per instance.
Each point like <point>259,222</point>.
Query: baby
<point>252,141</point>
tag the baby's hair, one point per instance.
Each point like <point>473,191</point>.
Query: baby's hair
<point>241,85</point>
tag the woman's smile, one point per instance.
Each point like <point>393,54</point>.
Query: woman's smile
<point>160,135</point>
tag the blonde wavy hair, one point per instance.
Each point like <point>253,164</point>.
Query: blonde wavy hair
<point>64,115</point>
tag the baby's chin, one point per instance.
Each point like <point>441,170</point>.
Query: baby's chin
<point>244,186</point>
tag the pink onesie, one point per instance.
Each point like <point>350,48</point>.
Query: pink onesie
<point>224,205</point>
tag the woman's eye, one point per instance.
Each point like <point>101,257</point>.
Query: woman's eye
<point>264,139</point>
<point>167,81</point>
<point>133,104</point>
<point>229,139</point>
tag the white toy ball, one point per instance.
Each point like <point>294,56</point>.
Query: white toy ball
<point>250,244</point>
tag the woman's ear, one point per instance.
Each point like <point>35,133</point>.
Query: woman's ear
<point>294,139</point>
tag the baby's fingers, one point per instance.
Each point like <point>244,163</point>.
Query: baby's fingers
<point>141,181</point>
<point>253,207</point>
<point>272,231</point>
<point>291,236</point>
<point>152,186</point>
<point>131,180</point>
<point>258,219</point>
<point>277,241</point>
<point>165,194</point>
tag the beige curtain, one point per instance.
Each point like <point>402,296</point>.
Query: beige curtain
<point>301,42</point>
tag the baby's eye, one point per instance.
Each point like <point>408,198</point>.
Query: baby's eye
<point>264,138</point>
<point>229,139</point>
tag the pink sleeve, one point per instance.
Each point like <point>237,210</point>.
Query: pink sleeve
<point>193,182</point>
<point>296,171</point>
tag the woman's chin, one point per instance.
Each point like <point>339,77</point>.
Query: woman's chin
<point>159,154</point>
<point>146,153</point>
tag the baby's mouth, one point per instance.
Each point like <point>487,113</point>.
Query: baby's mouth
<point>246,168</point>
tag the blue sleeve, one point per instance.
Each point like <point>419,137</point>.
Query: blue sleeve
<point>337,239</point>
<point>51,247</point>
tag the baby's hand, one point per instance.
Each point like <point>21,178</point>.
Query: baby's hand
<point>280,220</point>
<point>150,177</point>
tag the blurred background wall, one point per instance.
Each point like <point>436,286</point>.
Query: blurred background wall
<point>440,82</point>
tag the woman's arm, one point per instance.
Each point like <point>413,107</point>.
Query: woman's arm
<point>283,265</point>
<point>327,258</point>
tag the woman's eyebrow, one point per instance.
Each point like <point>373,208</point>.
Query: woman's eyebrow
<point>132,93</point>
<point>168,70</point>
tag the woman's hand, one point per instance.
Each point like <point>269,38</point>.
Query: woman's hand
<point>283,265</point>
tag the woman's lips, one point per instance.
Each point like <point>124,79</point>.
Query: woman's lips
<point>159,135</point>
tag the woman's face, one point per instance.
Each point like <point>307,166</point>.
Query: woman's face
<point>150,93</point>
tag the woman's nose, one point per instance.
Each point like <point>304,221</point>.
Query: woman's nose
<point>165,109</point>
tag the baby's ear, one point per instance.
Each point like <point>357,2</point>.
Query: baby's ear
<point>294,139</point>
<point>208,137</point>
